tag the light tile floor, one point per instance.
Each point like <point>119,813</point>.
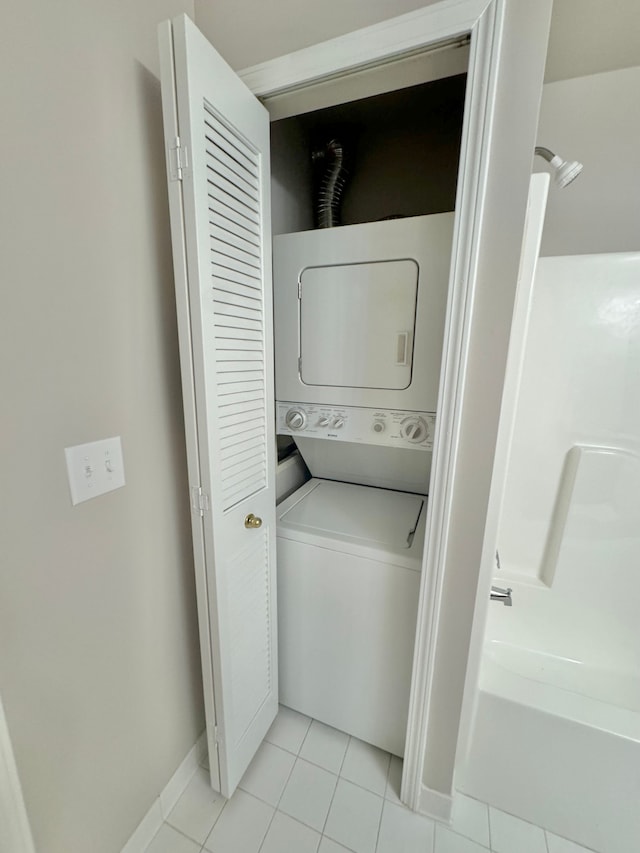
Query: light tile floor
<point>312,789</point>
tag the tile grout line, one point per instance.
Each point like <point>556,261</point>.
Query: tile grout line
<point>386,786</point>
<point>226,802</point>
<point>383,804</point>
<point>455,832</point>
<point>180,832</point>
<point>321,767</point>
<point>306,735</point>
<point>469,837</point>
<point>338,776</point>
<point>490,832</point>
<point>297,756</point>
<point>335,788</point>
<point>284,788</point>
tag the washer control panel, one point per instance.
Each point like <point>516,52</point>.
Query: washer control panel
<point>385,427</point>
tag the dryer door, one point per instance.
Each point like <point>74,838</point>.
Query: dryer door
<point>357,324</point>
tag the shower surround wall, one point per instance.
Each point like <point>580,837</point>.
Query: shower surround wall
<point>559,702</point>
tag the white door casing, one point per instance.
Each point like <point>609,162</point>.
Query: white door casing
<point>532,239</point>
<point>217,143</point>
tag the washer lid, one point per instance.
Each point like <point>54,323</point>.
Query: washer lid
<point>361,513</point>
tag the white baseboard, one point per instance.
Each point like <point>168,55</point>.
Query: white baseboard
<point>436,805</point>
<point>169,796</point>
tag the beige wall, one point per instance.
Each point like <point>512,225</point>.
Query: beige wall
<point>591,36</point>
<point>99,666</point>
<point>595,120</point>
<point>587,36</point>
<point>277,27</point>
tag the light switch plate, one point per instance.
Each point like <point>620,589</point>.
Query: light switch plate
<point>94,468</point>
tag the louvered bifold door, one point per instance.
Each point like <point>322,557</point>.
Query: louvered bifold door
<point>217,158</point>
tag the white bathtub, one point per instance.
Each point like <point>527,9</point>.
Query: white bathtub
<point>556,740</point>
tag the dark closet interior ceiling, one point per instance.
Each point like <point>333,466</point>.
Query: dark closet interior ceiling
<point>438,102</point>
<point>402,149</point>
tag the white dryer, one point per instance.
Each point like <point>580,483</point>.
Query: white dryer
<point>359,313</point>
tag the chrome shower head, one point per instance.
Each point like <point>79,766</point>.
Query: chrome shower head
<point>565,171</point>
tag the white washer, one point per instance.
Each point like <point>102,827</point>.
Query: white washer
<point>349,561</point>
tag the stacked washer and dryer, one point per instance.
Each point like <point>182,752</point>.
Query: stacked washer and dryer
<point>359,324</point>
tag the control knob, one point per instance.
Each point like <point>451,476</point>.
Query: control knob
<point>414,429</point>
<point>295,419</point>
<point>324,421</point>
<point>338,422</point>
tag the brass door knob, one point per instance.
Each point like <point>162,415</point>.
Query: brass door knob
<point>252,521</point>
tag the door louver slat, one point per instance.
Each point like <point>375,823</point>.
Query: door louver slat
<point>233,478</point>
<point>217,133</point>
<point>236,344</point>
<point>219,190</point>
<point>232,389</point>
<point>227,239</point>
<point>232,464</point>
<point>218,208</point>
<point>239,360</point>
<point>235,159</point>
<point>249,418</point>
<point>242,448</point>
<point>245,312</point>
<point>243,437</point>
<point>247,405</point>
<point>235,376</point>
<point>219,163</point>
<point>235,301</point>
<point>231,322</point>
<point>223,252</point>
<point>231,229</point>
<point>235,268</point>
<point>236,282</point>
<point>239,194</point>
<point>236,279</point>
<point>235,334</point>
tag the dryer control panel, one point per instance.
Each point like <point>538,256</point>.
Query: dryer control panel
<point>383,427</point>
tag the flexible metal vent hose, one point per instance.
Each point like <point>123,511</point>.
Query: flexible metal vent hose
<point>332,183</point>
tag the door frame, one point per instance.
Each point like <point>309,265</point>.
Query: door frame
<point>482,22</point>
<point>534,224</point>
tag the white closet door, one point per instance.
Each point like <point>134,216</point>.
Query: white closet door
<point>217,137</point>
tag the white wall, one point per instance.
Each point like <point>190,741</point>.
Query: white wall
<point>99,665</point>
<point>570,518</point>
<point>596,120</point>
